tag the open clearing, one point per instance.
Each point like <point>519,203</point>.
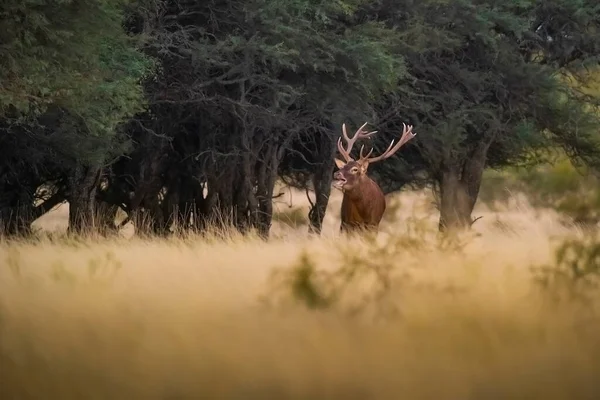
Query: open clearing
<point>203,318</point>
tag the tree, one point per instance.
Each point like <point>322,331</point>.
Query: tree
<point>485,88</point>
<point>248,91</point>
<point>69,74</point>
<point>243,85</point>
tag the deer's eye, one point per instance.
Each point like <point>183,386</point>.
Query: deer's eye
<point>354,170</point>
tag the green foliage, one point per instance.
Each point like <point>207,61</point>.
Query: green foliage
<point>572,192</point>
<point>303,285</point>
<point>73,54</point>
<point>323,41</point>
<point>271,57</point>
<point>485,86</point>
<point>575,273</point>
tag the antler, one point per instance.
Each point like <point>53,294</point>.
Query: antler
<point>407,134</point>
<point>359,134</point>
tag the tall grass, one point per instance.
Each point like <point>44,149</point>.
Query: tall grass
<point>404,315</point>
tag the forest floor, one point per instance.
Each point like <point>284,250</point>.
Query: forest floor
<point>242,318</point>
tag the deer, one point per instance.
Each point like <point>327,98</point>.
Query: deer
<point>363,202</point>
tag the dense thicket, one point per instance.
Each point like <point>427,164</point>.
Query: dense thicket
<point>69,75</point>
<point>184,113</point>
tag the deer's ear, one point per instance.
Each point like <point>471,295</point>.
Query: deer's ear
<point>339,163</point>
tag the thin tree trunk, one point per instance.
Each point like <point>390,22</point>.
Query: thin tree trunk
<point>267,175</point>
<point>245,203</point>
<point>206,208</point>
<point>83,185</point>
<point>322,185</point>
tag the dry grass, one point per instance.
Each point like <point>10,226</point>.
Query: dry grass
<point>192,318</point>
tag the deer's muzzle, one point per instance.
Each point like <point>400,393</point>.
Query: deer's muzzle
<point>339,180</point>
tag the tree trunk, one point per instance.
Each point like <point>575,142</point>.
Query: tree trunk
<point>83,184</point>
<point>245,202</point>
<point>455,203</point>
<point>266,177</point>
<point>222,184</point>
<point>149,219</point>
<point>322,185</point>
<point>459,189</point>
<point>106,215</point>
<point>206,208</point>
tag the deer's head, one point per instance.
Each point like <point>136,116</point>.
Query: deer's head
<point>351,172</point>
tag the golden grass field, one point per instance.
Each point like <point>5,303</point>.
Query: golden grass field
<point>397,317</point>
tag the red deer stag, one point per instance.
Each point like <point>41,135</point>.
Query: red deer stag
<point>363,203</point>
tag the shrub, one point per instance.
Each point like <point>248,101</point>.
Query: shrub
<point>368,274</point>
<point>575,273</point>
<point>574,194</point>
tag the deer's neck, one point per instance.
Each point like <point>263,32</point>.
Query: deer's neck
<point>363,192</point>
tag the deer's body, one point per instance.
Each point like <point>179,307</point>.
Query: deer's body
<point>363,203</point>
<point>362,206</point>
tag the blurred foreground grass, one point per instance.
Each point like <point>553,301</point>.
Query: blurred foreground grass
<point>402,316</point>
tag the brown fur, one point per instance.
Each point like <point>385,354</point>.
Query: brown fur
<point>363,204</point>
